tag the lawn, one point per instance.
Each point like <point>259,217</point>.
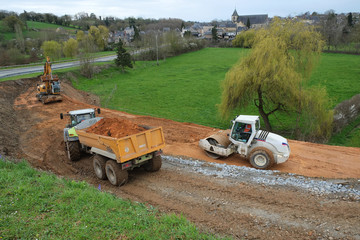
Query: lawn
<point>39,205</point>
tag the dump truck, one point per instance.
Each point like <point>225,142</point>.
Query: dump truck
<point>112,157</point>
<point>262,148</point>
<point>49,88</point>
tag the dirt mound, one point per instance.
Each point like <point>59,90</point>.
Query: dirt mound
<point>115,127</point>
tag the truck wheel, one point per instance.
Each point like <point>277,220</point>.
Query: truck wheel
<point>261,159</point>
<point>115,174</point>
<point>99,166</point>
<point>73,150</point>
<point>154,164</point>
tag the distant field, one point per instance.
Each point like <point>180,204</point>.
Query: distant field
<point>187,88</point>
<point>33,34</point>
<point>40,25</point>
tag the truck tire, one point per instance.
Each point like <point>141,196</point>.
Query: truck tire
<point>99,163</point>
<point>115,174</point>
<point>261,158</point>
<point>73,150</point>
<point>154,164</point>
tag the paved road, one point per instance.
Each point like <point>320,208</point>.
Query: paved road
<point>34,69</point>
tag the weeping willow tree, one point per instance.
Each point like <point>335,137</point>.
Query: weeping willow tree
<point>272,78</point>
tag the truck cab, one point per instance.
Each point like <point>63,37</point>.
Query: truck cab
<point>78,116</point>
<point>78,119</point>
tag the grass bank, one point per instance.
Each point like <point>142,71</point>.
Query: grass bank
<point>349,136</point>
<point>39,205</point>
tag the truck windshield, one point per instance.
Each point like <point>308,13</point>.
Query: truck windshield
<point>83,117</point>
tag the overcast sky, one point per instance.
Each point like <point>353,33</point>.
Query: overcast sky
<point>188,10</point>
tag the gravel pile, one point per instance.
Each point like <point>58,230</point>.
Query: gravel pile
<point>341,188</point>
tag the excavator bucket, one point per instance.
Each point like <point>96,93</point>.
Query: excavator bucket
<point>50,98</point>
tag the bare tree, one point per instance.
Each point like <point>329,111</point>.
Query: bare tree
<point>331,28</point>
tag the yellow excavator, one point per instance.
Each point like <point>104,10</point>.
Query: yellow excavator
<point>49,88</point>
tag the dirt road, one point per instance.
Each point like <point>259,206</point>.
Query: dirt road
<point>222,205</point>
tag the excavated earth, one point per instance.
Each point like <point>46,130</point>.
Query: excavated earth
<point>115,127</point>
<point>314,195</point>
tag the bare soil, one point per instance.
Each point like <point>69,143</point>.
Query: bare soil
<point>223,206</point>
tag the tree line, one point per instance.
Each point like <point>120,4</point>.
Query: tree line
<point>341,32</point>
<point>84,21</point>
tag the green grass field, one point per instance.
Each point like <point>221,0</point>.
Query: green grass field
<point>39,205</point>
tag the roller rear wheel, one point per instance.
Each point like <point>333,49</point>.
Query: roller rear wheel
<point>261,159</point>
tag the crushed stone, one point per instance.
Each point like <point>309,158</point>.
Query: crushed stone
<point>271,177</point>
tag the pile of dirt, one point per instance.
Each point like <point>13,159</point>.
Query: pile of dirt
<point>115,127</point>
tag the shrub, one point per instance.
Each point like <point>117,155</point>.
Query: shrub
<point>52,49</point>
<point>244,39</point>
<point>70,48</point>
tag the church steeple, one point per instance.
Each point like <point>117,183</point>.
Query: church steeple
<point>235,13</point>
<point>234,16</point>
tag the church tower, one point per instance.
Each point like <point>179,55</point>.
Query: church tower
<point>234,16</point>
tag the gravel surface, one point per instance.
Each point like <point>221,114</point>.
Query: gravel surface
<point>347,189</point>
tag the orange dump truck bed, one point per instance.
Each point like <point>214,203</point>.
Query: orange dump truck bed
<point>125,148</point>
